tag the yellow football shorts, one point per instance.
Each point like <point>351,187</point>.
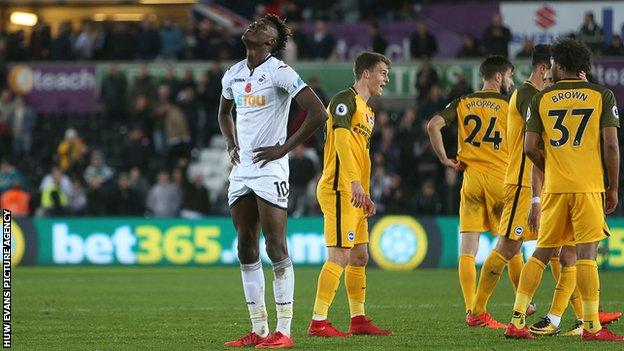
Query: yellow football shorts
<point>515,217</point>
<point>343,224</point>
<point>577,217</point>
<point>481,203</point>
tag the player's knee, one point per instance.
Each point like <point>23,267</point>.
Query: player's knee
<point>276,252</point>
<point>360,259</point>
<point>567,257</point>
<point>248,253</point>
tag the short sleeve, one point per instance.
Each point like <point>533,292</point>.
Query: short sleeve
<point>610,116</point>
<point>532,116</point>
<point>450,112</point>
<point>287,79</point>
<point>226,84</point>
<point>342,107</point>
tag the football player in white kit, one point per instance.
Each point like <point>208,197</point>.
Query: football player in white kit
<point>261,87</point>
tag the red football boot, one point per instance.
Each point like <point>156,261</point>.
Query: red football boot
<point>276,341</point>
<point>514,333</point>
<point>251,339</point>
<point>470,320</point>
<point>325,329</point>
<point>362,326</point>
<point>601,335</point>
<point>608,317</point>
<point>486,320</point>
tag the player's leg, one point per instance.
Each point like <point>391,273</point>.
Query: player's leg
<point>589,228</point>
<point>355,282</point>
<point>273,222</point>
<point>337,224</point>
<point>566,283</point>
<point>554,215</point>
<point>247,225</point>
<point>467,269</point>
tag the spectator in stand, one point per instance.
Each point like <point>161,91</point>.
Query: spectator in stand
<point>591,33</point>
<point>97,197</point>
<point>435,102</point>
<point>302,171</point>
<point>301,41</point>
<point>113,94</point>
<point>209,41</point>
<point>137,150</point>
<point>615,48</point>
<point>208,94</point>
<point>406,137</point>
<point>9,175</point>
<point>6,105</point>
<point>22,120</point>
<point>169,79</point>
<point>195,198</point>
<point>175,127</point>
<point>425,79</point>
<point>323,42</point>
<point>124,201</point>
<point>189,106</point>
<point>77,199</point>
<point>460,88</point>
<point>16,46</point>
<point>390,148</point>
<point>164,198</point>
<point>144,85</point>
<point>123,42</point>
<point>50,178</point>
<point>171,40</point>
<point>469,48</point>
<point>527,48</point>
<point>16,200</point>
<point>138,183</point>
<point>188,79</point>
<point>378,43</point>
<point>54,196</point>
<point>142,115</point>
<point>40,39</point>
<point>427,201</point>
<point>497,37</point>
<point>84,47</point>
<point>428,164</point>
<point>71,151</point>
<point>148,40</point>
<point>61,46</point>
<point>423,43</point>
<point>449,192</point>
<point>99,168</point>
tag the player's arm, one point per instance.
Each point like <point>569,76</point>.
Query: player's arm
<point>533,134</point>
<point>610,122</point>
<point>434,129</point>
<point>226,124</point>
<point>537,182</point>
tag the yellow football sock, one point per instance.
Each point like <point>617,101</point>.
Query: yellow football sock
<point>490,275</point>
<point>563,290</point>
<point>577,301</point>
<point>328,282</point>
<point>588,282</point>
<point>530,279</point>
<point>555,268</point>
<point>467,279</point>
<point>514,269</point>
<point>355,281</point>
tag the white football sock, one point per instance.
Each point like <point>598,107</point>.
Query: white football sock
<point>555,320</point>
<point>284,288</point>
<point>253,286</point>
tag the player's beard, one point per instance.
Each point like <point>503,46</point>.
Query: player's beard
<point>504,89</point>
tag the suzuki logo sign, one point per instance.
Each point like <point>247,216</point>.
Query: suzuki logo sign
<point>545,17</point>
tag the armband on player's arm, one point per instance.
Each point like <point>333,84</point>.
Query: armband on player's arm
<point>345,156</point>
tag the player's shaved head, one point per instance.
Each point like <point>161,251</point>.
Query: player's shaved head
<point>571,55</point>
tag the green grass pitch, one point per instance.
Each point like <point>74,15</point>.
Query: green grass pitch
<point>162,308</point>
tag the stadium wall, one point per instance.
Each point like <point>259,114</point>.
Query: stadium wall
<point>396,242</point>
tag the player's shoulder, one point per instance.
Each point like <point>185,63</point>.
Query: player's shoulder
<point>277,66</point>
<point>525,92</point>
<point>234,69</point>
<point>344,96</point>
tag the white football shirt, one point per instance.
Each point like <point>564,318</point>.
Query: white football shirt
<point>262,96</point>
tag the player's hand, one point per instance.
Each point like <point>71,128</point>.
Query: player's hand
<point>582,75</point>
<point>454,164</point>
<point>612,200</point>
<point>535,214</point>
<point>358,196</point>
<point>267,154</point>
<point>233,152</point>
<point>370,209</point>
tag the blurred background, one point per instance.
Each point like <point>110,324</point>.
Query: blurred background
<point>108,109</point>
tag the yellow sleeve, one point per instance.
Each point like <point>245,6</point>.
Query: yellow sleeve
<point>345,156</point>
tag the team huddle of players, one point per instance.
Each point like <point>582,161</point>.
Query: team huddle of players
<point>566,130</point>
<point>533,170</point>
